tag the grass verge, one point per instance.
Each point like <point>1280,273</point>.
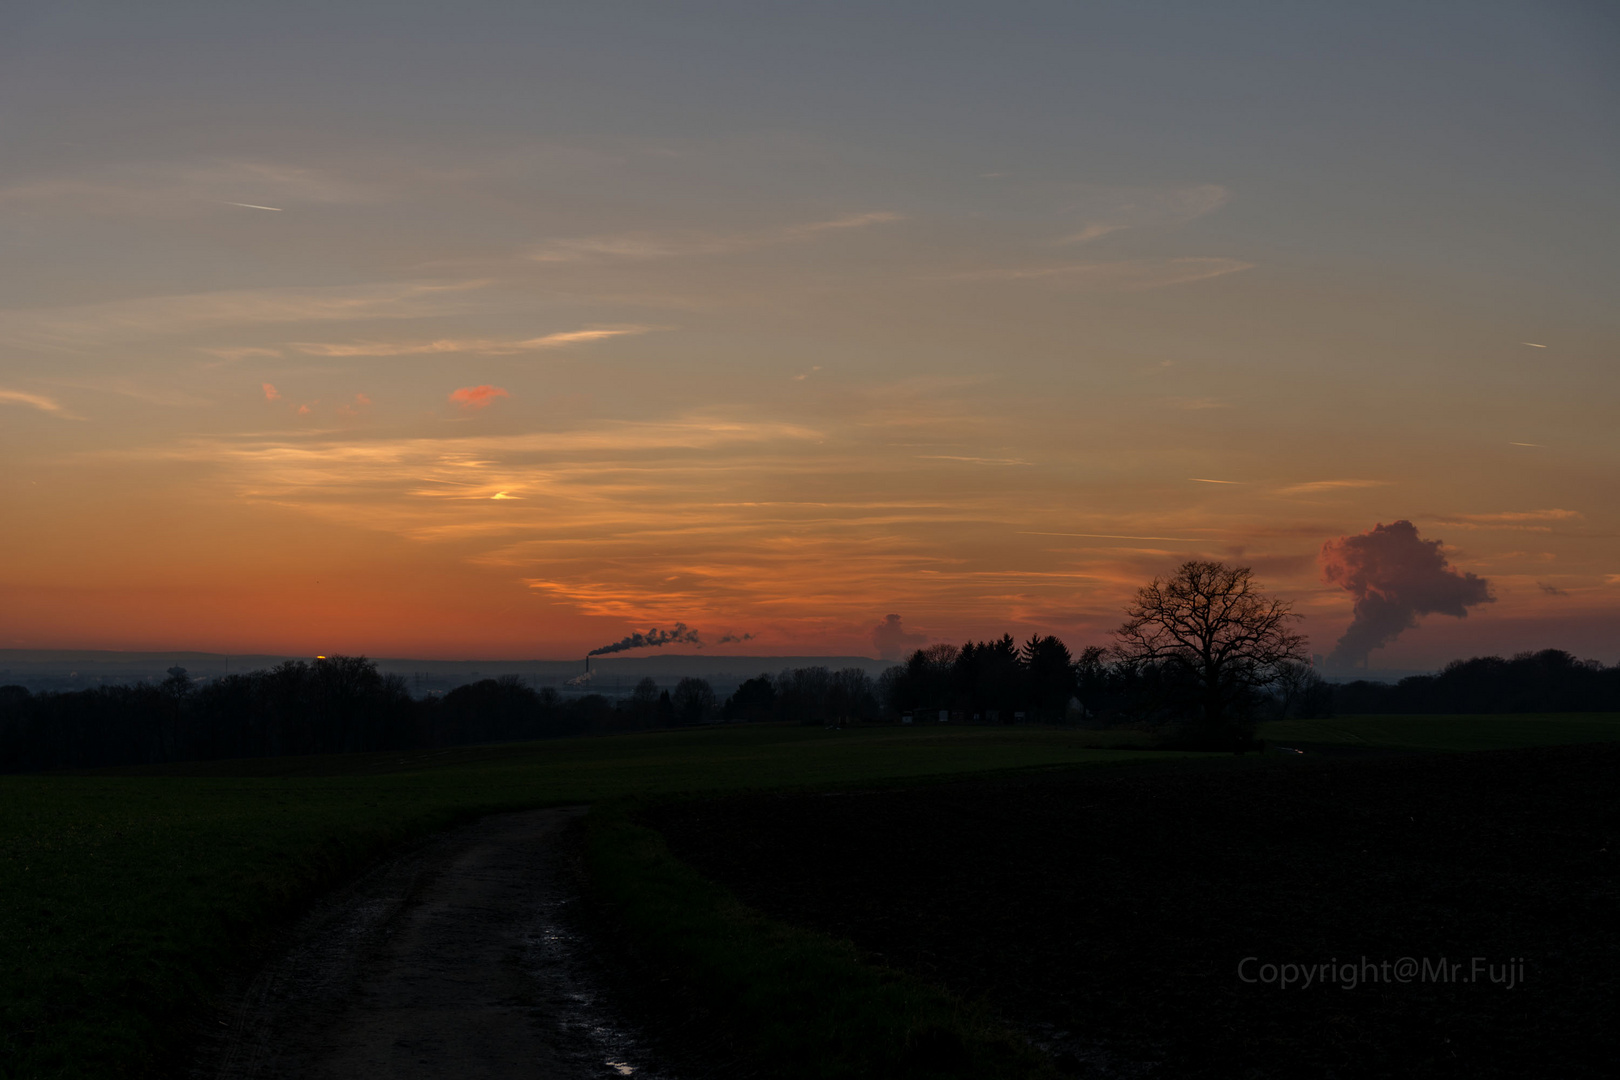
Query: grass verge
<point>797,1002</point>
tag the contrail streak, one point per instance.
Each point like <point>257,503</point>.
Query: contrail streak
<point>254,206</point>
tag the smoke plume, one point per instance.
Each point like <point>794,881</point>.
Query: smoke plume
<point>892,640</point>
<point>1395,577</point>
<point>680,634</point>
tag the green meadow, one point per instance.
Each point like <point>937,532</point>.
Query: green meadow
<point>125,894</point>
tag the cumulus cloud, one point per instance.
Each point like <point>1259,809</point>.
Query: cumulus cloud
<point>892,640</point>
<point>1550,590</point>
<point>271,393</point>
<point>1395,577</point>
<point>477,397</point>
<point>726,639</point>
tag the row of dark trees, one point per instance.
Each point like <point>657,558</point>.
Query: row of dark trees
<point>1548,681</point>
<point>333,705</point>
<point>344,704</point>
<point>991,681</point>
<point>812,695</point>
<point>1203,656</point>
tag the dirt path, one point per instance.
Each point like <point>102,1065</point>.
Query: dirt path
<point>456,959</point>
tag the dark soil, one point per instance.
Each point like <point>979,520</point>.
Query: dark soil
<point>1106,912</point>
<point>462,956</point>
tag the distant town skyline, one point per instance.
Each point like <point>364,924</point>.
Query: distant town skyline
<point>501,332</point>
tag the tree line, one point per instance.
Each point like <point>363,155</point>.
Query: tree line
<point>1551,680</point>
<point>1203,656</point>
<point>345,705</point>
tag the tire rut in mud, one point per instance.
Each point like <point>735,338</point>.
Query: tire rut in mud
<point>460,957</point>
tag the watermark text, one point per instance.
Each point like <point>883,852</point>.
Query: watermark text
<point>1365,971</point>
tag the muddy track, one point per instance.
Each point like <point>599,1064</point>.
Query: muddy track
<point>460,957</point>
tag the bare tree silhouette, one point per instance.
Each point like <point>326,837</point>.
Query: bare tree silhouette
<point>1216,639</point>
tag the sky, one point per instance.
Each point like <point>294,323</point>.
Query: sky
<point>506,330</point>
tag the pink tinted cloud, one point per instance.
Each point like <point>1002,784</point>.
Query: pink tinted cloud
<point>356,407</point>
<point>271,393</point>
<point>1395,576</point>
<point>477,397</point>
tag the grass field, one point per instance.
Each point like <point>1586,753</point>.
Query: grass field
<point>1500,731</point>
<point>123,895</point>
<point>1105,913</point>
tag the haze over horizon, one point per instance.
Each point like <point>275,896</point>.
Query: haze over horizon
<point>491,332</point>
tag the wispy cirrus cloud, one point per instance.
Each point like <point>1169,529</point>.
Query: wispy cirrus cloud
<point>966,459</point>
<point>1517,516</point>
<point>168,190</point>
<point>235,354</point>
<point>1087,234</point>
<point>1514,520</point>
<point>664,245</point>
<point>87,325</point>
<point>714,512</point>
<point>1124,274</point>
<point>152,392</point>
<point>485,346</point>
<point>36,401</point>
<point>1110,210</point>
<point>1315,487</point>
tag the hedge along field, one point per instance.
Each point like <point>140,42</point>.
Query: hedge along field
<point>123,895</point>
